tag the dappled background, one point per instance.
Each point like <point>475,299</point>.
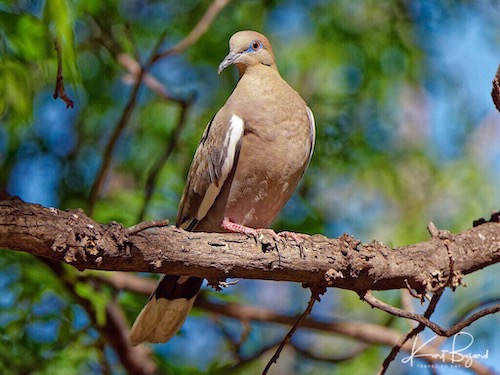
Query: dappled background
<point>406,134</point>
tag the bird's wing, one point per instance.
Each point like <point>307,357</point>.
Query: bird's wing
<point>213,161</point>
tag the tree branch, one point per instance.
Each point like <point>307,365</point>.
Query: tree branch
<point>423,319</point>
<point>201,27</point>
<point>412,333</point>
<point>74,238</point>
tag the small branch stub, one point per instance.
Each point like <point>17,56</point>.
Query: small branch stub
<point>495,91</point>
<point>60,91</point>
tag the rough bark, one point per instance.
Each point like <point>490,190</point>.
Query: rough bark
<point>72,237</point>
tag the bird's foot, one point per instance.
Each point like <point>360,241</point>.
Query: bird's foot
<point>238,228</point>
<point>299,238</point>
<point>257,234</point>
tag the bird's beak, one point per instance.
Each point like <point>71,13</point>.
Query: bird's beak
<point>230,59</point>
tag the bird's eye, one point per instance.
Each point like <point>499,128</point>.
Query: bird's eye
<point>255,46</point>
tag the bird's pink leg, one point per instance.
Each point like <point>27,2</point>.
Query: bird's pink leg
<point>238,228</point>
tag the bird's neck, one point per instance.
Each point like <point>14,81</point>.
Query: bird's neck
<point>257,69</point>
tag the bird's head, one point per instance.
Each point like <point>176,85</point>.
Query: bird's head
<point>248,48</point>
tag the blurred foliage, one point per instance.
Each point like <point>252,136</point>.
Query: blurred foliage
<point>371,71</point>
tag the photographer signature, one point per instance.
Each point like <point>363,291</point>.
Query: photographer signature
<point>456,355</point>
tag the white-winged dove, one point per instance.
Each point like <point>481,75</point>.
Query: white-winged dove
<point>249,161</point>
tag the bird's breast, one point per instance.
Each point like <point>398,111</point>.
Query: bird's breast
<point>271,162</point>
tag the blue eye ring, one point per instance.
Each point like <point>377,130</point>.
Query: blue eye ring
<point>255,46</point>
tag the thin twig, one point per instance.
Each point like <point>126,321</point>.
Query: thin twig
<point>59,91</point>
<point>213,10</point>
<point>419,328</point>
<point>474,306</point>
<point>146,225</point>
<point>376,303</point>
<point>134,68</point>
<point>315,293</point>
<point>218,284</point>
<point>413,293</point>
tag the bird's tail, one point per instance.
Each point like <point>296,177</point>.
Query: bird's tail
<point>166,309</point>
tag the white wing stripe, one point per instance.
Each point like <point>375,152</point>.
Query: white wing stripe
<point>312,134</point>
<point>233,137</point>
